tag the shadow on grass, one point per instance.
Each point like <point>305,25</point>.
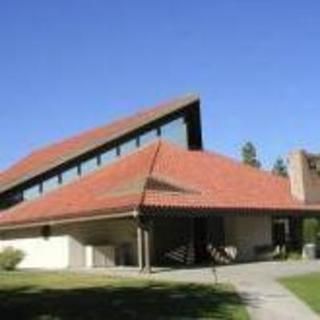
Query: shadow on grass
<point>147,301</point>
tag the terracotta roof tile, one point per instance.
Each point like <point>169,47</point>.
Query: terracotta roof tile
<point>90,195</point>
<point>49,157</point>
<point>162,175</point>
<point>222,181</point>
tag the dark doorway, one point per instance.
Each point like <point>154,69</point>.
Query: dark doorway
<point>216,235</point>
<point>200,240</point>
<point>295,232</point>
<point>279,233</point>
<point>288,231</point>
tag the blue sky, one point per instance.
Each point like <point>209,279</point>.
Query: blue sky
<point>66,66</point>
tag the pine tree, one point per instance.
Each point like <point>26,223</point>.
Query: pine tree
<point>249,155</point>
<point>280,168</point>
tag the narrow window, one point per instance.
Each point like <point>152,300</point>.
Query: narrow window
<point>31,193</point>
<point>89,165</point>
<point>176,132</point>
<point>148,137</point>
<point>108,157</point>
<point>128,147</point>
<point>50,184</point>
<point>69,175</point>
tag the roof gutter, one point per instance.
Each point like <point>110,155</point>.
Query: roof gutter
<point>129,214</point>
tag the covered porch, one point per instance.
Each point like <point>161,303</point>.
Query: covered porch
<point>156,238</point>
<point>184,238</point>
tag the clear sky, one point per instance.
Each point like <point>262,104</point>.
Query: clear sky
<point>70,65</point>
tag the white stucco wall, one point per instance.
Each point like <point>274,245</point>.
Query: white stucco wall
<point>77,253</point>
<point>52,253</point>
<point>89,257</point>
<point>70,246</point>
<point>245,233</point>
<point>108,233</point>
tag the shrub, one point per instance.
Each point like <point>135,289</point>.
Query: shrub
<point>280,253</point>
<point>310,230</point>
<point>10,258</point>
<point>294,255</point>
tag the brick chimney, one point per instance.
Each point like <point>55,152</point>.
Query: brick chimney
<point>304,174</point>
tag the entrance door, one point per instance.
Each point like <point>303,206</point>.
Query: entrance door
<point>200,240</point>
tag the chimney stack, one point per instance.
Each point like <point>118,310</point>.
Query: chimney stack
<point>304,174</point>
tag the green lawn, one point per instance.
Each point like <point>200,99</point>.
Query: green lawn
<point>306,287</point>
<point>70,296</point>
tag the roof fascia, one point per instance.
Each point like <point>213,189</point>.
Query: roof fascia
<point>52,222</point>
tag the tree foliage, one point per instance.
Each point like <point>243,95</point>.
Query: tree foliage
<point>10,258</point>
<point>249,155</point>
<point>280,168</point>
<point>311,230</point>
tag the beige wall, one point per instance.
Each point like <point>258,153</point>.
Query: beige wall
<point>117,233</point>
<point>77,253</point>
<point>304,181</point>
<point>247,232</point>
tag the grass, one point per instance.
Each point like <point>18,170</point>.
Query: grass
<point>70,296</point>
<point>306,287</point>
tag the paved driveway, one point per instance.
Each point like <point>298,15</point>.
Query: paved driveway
<point>265,297</point>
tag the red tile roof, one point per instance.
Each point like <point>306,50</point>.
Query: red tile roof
<point>54,155</point>
<point>162,175</point>
<point>93,194</point>
<point>220,181</point>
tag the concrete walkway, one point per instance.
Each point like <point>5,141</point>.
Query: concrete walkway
<point>265,298</point>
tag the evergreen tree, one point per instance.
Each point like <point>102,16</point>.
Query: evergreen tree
<point>249,155</point>
<point>280,168</point>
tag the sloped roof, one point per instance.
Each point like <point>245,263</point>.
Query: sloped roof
<point>56,154</point>
<point>162,175</point>
<point>94,194</point>
<point>221,182</point>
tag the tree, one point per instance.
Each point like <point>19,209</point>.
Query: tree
<point>249,155</point>
<point>280,168</point>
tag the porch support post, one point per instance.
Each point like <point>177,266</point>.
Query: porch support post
<point>143,243</point>
<point>192,256</point>
<point>147,266</point>
<point>140,244</point>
